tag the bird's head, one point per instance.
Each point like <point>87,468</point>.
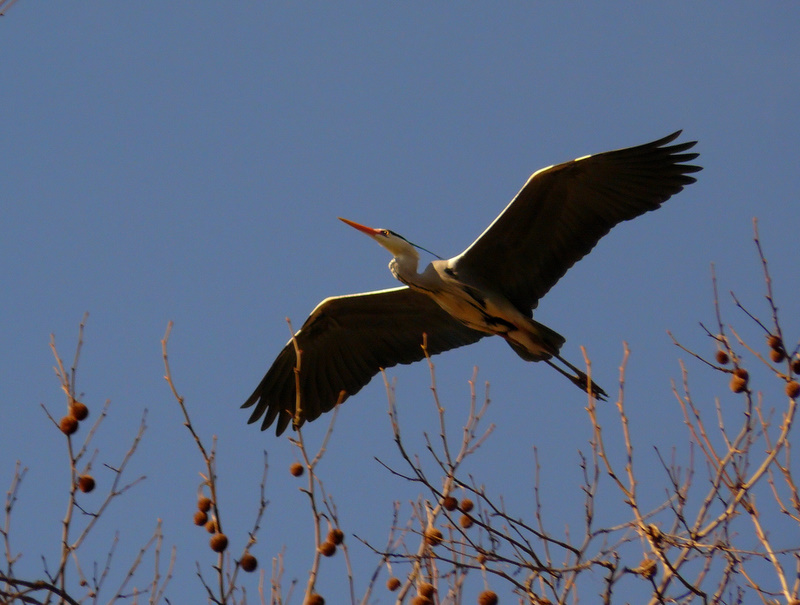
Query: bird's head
<point>396,244</point>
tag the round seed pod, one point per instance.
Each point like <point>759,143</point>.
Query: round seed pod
<point>450,503</point>
<point>68,425</point>
<point>738,384</point>
<point>487,597</point>
<point>296,469</point>
<point>336,536</point>
<point>425,590</point>
<point>78,410</point>
<point>793,389</point>
<point>86,483</point>
<point>466,505</point>
<point>647,568</point>
<point>777,355</point>
<point>200,518</point>
<point>248,562</point>
<point>722,357</point>
<point>433,537</point>
<point>466,521</point>
<point>315,599</point>
<point>327,549</point>
<point>219,542</point>
<point>393,583</point>
<point>204,504</point>
<point>741,373</point>
<point>774,342</point>
<point>655,533</point>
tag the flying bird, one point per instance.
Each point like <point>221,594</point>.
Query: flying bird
<point>491,288</point>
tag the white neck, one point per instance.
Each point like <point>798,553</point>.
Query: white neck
<point>404,267</point>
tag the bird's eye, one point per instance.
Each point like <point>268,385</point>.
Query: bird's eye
<point>385,232</point>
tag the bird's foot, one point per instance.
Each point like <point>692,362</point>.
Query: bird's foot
<point>582,380</point>
<point>579,378</point>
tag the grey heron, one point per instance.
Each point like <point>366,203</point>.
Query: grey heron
<point>491,288</point>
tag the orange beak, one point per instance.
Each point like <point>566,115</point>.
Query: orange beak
<point>362,228</point>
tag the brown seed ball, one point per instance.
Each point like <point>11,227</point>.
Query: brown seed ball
<point>315,599</point>
<point>449,503</point>
<point>68,425</point>
<point>204,504</point>
<point>466,505</point>
<point>793,389</point>
<point>296,470</point>
<point>487,597</point>
<point>741,373</point>
<point>200,518</point>
<point>774,342</point>
<point>78,411</point>
<point>647,568</point>
<point>796,365</point>
<point>738,384</point>
<point>248,562</point>
<point>336,536</point>
<point>86,483</point>
<point>425,589</point>
<point>466,521</point>
<point>219,542</point>
<point>776,355</point>
<point>393,583</point>
<point>722,357</point>
<point>655,533</point>
<point>420,600</point>
<point>211,526</point>
<point>327,549</point>
<point>433,536</point>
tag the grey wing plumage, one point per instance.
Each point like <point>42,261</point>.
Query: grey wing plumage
<point>346,341</point>
<point>564,210</point>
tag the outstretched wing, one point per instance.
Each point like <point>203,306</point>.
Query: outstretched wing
<point>346,341</point>
<point>564,210</point>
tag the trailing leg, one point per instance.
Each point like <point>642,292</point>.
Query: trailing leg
<point>579,378</point>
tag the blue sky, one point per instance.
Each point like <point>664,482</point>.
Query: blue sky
<point>187,162</point>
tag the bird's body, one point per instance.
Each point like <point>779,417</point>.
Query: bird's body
<point>480,308</point>
<point>489,289</point>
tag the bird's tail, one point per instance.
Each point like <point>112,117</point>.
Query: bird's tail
<point>543,344</point>
<point>548,343</point>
